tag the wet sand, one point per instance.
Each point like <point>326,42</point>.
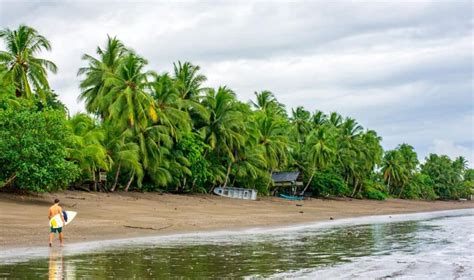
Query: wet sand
<point>101,216</point>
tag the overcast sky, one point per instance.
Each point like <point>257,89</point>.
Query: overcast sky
<point>403,69</point>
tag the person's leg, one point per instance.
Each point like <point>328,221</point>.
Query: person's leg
<point>61,237</point>
<point>51,237</point>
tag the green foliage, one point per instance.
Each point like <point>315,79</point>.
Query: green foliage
<point>193,148</point>
<point>329,183</point>
<point>374,190</point>
<point>27,72</point>
<point>168,132</point>
<point>33,150</point>
<point>447,176</point>
<point>420,187</point>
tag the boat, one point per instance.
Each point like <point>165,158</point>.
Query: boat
<point>291,197</point>
<point>239,193</point>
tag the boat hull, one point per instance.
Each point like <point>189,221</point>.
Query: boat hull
<point>238,193</point>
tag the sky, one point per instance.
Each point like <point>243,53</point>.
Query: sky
<point>401,68</point>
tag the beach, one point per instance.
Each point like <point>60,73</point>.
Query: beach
<point>105,216</point>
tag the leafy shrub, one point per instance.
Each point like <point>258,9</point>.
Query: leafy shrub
<point>374,190</point>
<point>32,150</point>
<point>328,183</point>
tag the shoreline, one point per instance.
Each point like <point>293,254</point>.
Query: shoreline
<point>111,216</point>
<point>15,255</point>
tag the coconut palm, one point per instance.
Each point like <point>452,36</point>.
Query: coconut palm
<point>93,90</point>
<point>169,106</point>
<point>273,139</point>
<point>223,129</point>
<point>130,102</point>
<point>188,80</point>
<point>86,146</point>
<point>301,124</point>
<point>267,102</point>
<point>320,149</point>
<point>123,151</point>
<point>28,72</point>
<point>392,168</point>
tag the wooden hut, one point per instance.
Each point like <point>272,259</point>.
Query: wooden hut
<point>288,182</point>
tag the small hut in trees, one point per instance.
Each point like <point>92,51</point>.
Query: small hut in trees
<point>287,182</point>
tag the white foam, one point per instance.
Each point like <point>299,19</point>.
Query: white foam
<point>220,237</point>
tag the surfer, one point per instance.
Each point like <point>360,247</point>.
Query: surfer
<point>54,210</point>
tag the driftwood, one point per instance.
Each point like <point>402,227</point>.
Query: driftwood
<point>72,197</point>
<point>150,228</point>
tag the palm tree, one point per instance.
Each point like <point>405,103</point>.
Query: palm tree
<point>267,102</point>
<point>188,84</point>
<point>123,151</point>
<point>320,149</point>
<point>169,106</point>
<point>392,169</point>
<point>274,140</point>
<point>223,130</point>
<point>86,146</point>
<point>188,81</point>
<point>28,72</point>
<point>130,102</point>
<point>301,125</point>
<point>335,119</point>
<point>318,119</point>
<point>93,86</point>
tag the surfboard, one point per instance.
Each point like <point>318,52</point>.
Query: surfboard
<point>57,222</point>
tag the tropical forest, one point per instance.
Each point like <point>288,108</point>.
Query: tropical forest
<point>150,130</point>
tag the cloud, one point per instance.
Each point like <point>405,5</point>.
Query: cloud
<point>453,150</point>
<point>403,69</point>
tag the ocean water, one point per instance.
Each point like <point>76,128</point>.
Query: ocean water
<point>436,245</point>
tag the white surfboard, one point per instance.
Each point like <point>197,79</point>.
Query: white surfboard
<point>57,222</point>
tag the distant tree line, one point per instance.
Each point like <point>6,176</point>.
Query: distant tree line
<point>152,131</point>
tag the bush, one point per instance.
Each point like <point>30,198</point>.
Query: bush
<point>328,183</point>
<point>32,150</point>
<point>374,190</point>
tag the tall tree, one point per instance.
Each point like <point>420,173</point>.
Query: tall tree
<point>93,90</point>
<point>28,72</point>
<point>223,130</point>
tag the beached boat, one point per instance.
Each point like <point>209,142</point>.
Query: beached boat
<point>240,193</point>
<point>291,197</point>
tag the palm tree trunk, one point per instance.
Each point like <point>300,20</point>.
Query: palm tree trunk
<point>95,181</point>
<point>132,175</point>
<point>355,188</point>
<point>270,182</point>
<point>388,184</point>
<point>116,177</point>
<point>307,185</point>
<point>227,175</point>
<point>401,191</point>
<point>10,180</point>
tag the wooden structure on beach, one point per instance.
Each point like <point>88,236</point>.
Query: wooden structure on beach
<point>290,179</point>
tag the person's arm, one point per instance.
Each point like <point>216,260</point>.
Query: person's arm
<point>49,214</point>
<point>62,216</point>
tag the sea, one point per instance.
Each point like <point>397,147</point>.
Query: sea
<point>434,245</point>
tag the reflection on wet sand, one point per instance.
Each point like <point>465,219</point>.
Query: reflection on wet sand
<point>57,265</point>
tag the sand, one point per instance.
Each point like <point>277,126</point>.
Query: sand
<point>101,216</point>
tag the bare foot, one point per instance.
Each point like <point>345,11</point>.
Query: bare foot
<point>62,244</point>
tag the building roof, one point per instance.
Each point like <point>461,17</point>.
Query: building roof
<point>285,176</point>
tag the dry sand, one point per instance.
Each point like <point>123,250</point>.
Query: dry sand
<point>24,221</point>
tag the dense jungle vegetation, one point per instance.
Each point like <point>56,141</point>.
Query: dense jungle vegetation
<point>151,131</point>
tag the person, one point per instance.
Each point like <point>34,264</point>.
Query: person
<point>53,211</point>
